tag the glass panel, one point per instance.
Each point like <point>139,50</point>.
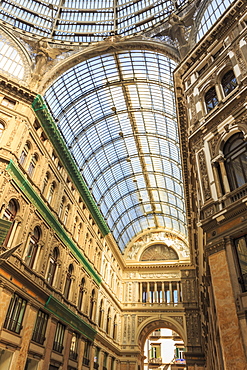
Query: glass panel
<point>117,115</point>
<point>10,60</point>
<point>86,21</point>
<point>210,15</point>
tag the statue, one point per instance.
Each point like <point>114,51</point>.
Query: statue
<point>44,56</point>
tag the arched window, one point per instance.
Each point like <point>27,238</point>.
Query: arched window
<point>101,313</point>
<point>2,128</point>
<point>32,165</point>
<point>108,318</point>
<point>92,302</point>
<point>52,266</point>
<point>114,334</point>
<point>75,226</point>
<point>60,211</point>
<point>45,182</point>
<point>68,281</point>
<point>51,192</point>
<point>81,294</point>
<point>24,153</point>
<point>211,99</point>
<point>33,247</point>
<point>229,82</point>
<point>9,214</point>
<point>78,234</point>
<point>66,213</point>
<point>235,152</point>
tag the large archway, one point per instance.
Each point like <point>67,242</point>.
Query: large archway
<point>150,326</point>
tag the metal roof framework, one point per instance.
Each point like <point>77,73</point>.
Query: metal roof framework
<point>117,115</point>
<point>87,21</point>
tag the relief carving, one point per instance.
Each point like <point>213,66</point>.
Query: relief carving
<point>240,60</point>
<point>167,238</point>
<point>212,145</point>
<point>204,176</point>
<point>193,109</point>
<point>179,319</point>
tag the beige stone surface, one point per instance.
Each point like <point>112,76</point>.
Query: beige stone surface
<point>232,347</point>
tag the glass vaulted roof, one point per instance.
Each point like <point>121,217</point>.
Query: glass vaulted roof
<point>117,115</point>
<point>86,20</point>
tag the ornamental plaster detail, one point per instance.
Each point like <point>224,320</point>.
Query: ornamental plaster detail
<point>167,238</point>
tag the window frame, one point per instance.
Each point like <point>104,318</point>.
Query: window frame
<point>15,314</point>
<point>211,100</point>
<point>59,338</point>
<point>242,279</point>
<point>40,327</point>
<point>224,85</point>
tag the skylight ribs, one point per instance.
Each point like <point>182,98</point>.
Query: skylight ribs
<point>86,21</point>
<point>136,138</point>
<point>117,114</point>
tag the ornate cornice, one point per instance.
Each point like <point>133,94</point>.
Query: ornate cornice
<point>51,220</point>
<point>59,145</point>
<point>17,90</point>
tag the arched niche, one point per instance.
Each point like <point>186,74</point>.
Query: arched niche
<point>158,252</point>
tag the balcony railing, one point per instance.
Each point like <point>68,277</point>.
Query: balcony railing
<point>85,361</point>
<point>155,334</point>
<point>58,347</point>
<point>73,355</point>
<point>229,199</point>
<point>155,360</point>
<point>38,337</point>
<point>238,194</point>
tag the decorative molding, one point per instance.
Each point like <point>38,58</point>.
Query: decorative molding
<point>204,175</point>
<point>215,248</point>
<point>66,315</point>
<point>28,190</point>
<point>169,239</point>
<point>57,141</point>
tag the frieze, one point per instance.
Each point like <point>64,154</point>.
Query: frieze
<point>18,120</point>
<point>193,109</point>
<point>179,319</point>
<point>192,323</point>
<point>172,275</point>
<point>168,238</point>
<point>24,134</point>
<point>198,144</point>
<point>204,176</point>
<point>210,211</point>
<point>140,319</point>
<point>240,60</point>
<point>212,145</point>
<point>212,249</point>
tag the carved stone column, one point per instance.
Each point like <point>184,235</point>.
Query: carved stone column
<point>217,180</point>
<point>224,174</point>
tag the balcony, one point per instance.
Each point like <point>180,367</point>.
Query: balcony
<point>73,355</point>
<point>156,334</point>
<point>227,202</point>
<point>155,361</point>
<point>86,361</point>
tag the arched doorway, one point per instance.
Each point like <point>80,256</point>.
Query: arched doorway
<point>162,343</point>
